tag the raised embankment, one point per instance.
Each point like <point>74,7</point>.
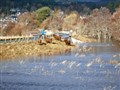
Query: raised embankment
<point>26,49</point>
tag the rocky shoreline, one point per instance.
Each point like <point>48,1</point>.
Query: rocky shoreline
<point>27,49</point>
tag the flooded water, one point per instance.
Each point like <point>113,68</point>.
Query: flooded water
<point>91,66</point>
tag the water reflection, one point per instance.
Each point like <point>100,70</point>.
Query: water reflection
<point>89,67</point>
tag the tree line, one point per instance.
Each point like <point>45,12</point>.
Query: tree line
<point>99,23</point>
<point>6,5</point>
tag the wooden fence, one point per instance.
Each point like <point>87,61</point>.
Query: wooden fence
<point>9,39</point>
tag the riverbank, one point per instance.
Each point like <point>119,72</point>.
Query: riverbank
<point>84,38</point>
<point>26,49</point>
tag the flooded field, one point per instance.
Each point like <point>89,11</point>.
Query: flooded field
<point>91,66</point>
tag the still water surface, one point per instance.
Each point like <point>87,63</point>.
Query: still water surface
<point>86,68</point>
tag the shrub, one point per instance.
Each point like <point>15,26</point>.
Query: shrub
<point>42,13</point>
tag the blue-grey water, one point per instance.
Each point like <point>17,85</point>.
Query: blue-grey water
<point>88,67</point>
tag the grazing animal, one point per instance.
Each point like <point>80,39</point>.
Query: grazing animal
<point>39,41</point>
<point>48,40</point>
<point>57,37</point>
<point>67,42</point>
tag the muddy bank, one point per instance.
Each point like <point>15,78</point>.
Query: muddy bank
<point>26,49</point>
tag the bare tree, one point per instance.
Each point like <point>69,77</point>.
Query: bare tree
<point>98,24</point>
<point>56,20</point>
<point>115,24</point>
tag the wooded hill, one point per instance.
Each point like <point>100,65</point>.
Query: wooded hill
<point>6,5</point>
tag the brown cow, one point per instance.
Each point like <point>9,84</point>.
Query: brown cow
<point>39,41</point>
<point>57,37</point>
<point>67,42</point>
<point>48,40</point>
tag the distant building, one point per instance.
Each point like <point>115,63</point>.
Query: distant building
<point>15,12</point>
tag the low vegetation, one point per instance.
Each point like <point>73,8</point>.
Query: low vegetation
<point>27,49</point>
<point>42,14</point>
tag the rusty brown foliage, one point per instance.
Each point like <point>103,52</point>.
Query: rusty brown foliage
<point>25,24</point>
<point>14,29</point>
<point>100,24</point>
<point>45,23</point>
<point>115,24</point>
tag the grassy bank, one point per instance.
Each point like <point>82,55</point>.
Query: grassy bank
<point>84,38</point>
<point>26,49</point>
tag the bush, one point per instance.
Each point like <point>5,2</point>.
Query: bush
<point>42,13</point>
